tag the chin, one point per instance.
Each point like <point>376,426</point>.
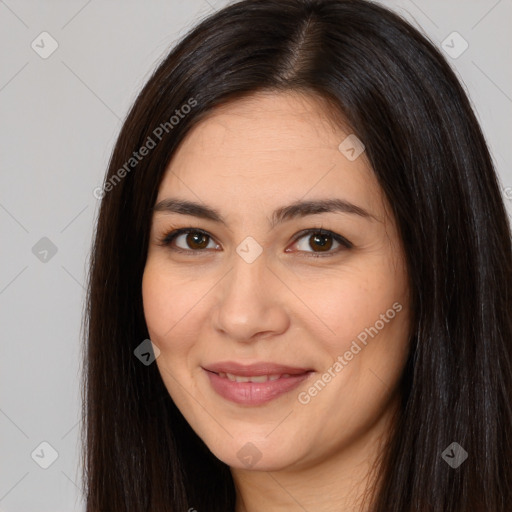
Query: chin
<point>256,454</point>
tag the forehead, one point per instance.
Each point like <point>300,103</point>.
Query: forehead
<point>266,122</point>
<point>268,145</point>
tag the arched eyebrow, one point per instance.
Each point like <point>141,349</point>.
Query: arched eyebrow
<point>280,215</point>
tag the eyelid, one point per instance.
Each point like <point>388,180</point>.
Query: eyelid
<point>170,236</point>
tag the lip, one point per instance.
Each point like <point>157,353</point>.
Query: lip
<point>254,393</point>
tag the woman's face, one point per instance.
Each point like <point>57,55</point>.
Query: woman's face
<point>253,287</point>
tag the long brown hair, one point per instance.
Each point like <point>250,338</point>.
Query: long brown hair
<point>428,153</point>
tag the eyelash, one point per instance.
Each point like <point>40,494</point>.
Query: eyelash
<point>169,237</point>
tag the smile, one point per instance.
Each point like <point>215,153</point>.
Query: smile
<point>252,387</point>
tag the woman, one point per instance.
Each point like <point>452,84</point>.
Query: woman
<point>301,283</point>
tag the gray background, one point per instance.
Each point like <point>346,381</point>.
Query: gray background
<point>59,120</point>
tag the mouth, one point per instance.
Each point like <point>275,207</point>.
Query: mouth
<point>254,384</point>
<point>252,378</point>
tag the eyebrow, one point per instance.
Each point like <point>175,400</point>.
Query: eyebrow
<point>280,215</point>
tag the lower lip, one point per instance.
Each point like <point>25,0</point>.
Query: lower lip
<point>254,393</point>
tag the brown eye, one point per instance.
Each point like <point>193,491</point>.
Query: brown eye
<point>191,240</point>
<point>321,241</point>
<point>314,242</point>
<point>196,240</point>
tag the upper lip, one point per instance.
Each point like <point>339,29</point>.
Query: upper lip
<point>255,369</point>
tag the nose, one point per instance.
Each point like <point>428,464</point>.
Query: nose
<point>250,302</point>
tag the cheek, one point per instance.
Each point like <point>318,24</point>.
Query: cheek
<point>169,314</point>
<point>355,300</point>
<point>366,311</point>
<point>155,302</point>
<point>170,303</point>
<point>168,307</point>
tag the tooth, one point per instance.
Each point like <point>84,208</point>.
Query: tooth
<point>261,378</point>
<point>252,378</point>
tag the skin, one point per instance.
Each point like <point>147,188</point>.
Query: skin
<point>246,159</point>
